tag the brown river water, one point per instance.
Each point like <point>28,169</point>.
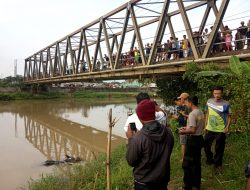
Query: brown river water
<point>32,132</point>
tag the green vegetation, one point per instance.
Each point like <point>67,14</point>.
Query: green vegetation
<point>11,81</point>
<point>77,95</point>
<point>30,96</point>
<point>172,86</point>
<point>93,94</point>
<point>200,79</point>
<point>93,175</point>
<point>236,82</point>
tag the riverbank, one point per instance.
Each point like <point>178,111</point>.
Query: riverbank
<point>93,174</point>
<point>86,94</point>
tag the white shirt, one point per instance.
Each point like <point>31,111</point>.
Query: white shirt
<point>159,116</point>
<point>133,119</point>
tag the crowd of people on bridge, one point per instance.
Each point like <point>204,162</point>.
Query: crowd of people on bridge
<point>175,48</point>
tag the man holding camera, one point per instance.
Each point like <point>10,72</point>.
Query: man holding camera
<point>133,118</point>
<point>149,150</point>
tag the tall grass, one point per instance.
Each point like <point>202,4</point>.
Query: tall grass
<point>92,176</point>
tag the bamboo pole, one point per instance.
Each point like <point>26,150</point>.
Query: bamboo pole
<point>112,123</point>
<point>109,149</point>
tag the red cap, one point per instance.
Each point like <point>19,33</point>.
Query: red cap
<point>146,110</point>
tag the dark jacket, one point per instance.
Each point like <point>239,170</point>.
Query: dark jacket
<point>149,153</point>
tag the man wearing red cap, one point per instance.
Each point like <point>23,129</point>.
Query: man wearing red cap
<point>149,150</point>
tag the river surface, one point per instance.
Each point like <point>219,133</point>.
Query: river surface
<point>32,132</point>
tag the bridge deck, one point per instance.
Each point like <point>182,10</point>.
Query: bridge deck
<point>142,71</point>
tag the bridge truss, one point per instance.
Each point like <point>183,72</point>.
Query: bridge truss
<point>78,56</point>
<point>55,141</point>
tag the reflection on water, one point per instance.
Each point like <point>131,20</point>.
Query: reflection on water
<point>55,137</point>
<point>54,128</point>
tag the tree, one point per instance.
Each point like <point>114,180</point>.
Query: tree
<point>236,81</point>
<point>173,85</point>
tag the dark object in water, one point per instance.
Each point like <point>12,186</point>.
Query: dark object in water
<point>68,159</point>
<point>72,159</point>
<point>52,162</point>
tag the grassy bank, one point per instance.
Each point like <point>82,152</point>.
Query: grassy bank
<point>92,175</point>
<point>55,95</point>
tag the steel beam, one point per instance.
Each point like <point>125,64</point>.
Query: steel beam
<point>46,65</point>
<point>148,9</point>
<point>114,40</point>
<point>59,59</point>
<point>100,54</point>
<point>214,7</point>
<point>82,61</point>
<point>30,69</point>
<point>35,70</point>
<point>55,63</point>
<point>188,28</point>
<point>133,41</point>
<point>170,26</point>
<point>159,30</point>
<point>97,46</point>
<point>171,29</point>
<point>204,19</point>
<point>39,65</point>
<point>80,48</point>
<point>215,29</point>
<point>51,69</point>
<point>86,49</point>
<point>124,30</point>
<point>72,56</point>
<point>65,59</point>
<point>116,43</point>
<point>138,35</point>
<point>107,44</point>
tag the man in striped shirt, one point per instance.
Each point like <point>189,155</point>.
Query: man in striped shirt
<point>217,122</point>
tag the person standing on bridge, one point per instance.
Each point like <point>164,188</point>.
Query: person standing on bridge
<point>243,31</point>
<point>248,34</point>
<point>149,150</point>
<point>185,47</point>
<point>228,41</point>
<point>217,120</point>
<point>147,50</point>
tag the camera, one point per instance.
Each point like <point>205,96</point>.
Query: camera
<point>133,126</point>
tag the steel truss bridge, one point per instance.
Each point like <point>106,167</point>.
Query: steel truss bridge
<point>96,51</point>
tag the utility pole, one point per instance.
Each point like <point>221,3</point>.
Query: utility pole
<point>15,68</point>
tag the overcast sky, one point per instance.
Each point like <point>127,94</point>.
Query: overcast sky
<point>26,26</point>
